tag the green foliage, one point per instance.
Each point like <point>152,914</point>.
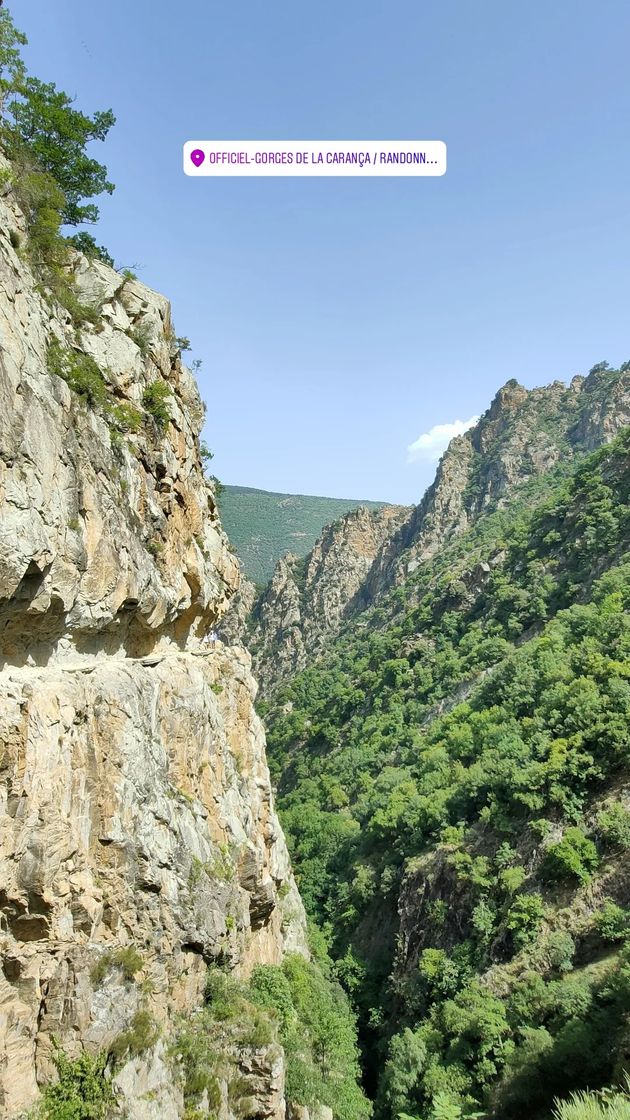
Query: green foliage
<point>205,454</point>
<point>46,139</point>
<point>41,200</point>
<point>573,857</point>
<point>524,919</point>
<point>437,747</point>
<point>82,1092</point>
<point>40,118</point>
<point>613,922</point>
<point>444,1107</point>
<point>613,824</point>
<point>198,1062</point>
<point>86,244</point>
<point>317,1031</point>
<point>81,373</point>
<point>294,1001</point>
<point>139,1037</point>
<point>126,959</point>
<point>141,335</point>
<point>12,70</point>
<point>154,401</point>
<point>594,1106</point>
<point>264,526</point>
<point>125,417</point>
<point>270,989</point>
<point>40,129</point>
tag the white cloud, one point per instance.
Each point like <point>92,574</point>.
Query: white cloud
<point>430,445</point>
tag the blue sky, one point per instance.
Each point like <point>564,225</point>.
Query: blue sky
<point>338,320</point>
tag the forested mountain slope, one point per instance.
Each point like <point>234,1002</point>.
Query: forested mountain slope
<point>523,436</point>
<point>263,526</point>
<point>454,781</point>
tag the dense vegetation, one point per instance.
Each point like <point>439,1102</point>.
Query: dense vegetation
<point>263,526</point>
<point>294,1004</point>
<point>451,779</point>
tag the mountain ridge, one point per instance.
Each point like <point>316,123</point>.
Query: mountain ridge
<point>265,525</point>
<point>521,437</point>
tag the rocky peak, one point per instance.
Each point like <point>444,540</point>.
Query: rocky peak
<point>524,433</point>
<point>307,600</point>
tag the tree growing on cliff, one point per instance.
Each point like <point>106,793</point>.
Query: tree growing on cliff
<point>40,127</point>
<point>12,69</point>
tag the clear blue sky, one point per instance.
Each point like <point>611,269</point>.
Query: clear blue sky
<point>337,320</point>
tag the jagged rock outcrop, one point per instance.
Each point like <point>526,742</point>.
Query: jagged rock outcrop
<point>307,600</point>
<point>360,558</point>
<point>523,435</point>
<point>136,810</point>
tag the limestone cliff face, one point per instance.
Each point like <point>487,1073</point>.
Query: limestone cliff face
<point>307,600</point>
<point>359,559</point>
<point>135,803</point>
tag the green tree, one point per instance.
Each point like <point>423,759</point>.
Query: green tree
<point>573,857</point>
<point>86,244</point>
<point>12,69</point>
<point>42,122</point>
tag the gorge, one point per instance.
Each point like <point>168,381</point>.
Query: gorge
<point>351,841</point>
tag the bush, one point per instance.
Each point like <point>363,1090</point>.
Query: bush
<point>614,826</point>
<point>81,1093</point>
<point>225,997</point>
<point>573,857</point>
<point>127,959</point>
<point>141,335</point>
<point>80,372</point>
<point>524,919</point>
<point>199,1061</point>
<point>270,989</point>
<point>85,243</point>
<point>322,1059</point>
<point>613,922</point>
<point>125,417</point>
<point>205,454</point>
<point>154,401</point>
<point>554,952</point>
<point>142,1033</point>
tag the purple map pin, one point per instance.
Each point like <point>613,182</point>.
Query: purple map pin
<point>197,156</point>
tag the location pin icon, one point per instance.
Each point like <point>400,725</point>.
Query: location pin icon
<point>197,156</point>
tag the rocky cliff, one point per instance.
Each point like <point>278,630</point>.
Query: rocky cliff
<point>523,435</point>
<point>138,838</point>
<point>307,601</point>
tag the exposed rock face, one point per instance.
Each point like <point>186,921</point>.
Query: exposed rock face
<point>357,560</point>
<point>307,600</point>
<point>523,434</point>
<point>135,801</point>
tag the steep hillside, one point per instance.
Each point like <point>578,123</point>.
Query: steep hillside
<point>263,526</point>
<point>149,920</point>
<point>521,438</point>
<point>454,771</point>
<point>290,621</point>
